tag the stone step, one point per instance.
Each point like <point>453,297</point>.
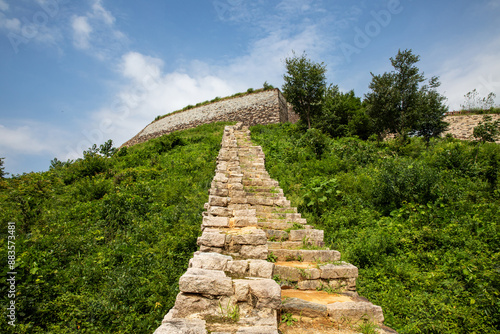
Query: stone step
<point>266,209</point>
<point>306,255</point>
<point>338,277</point>
<point>340,308</point>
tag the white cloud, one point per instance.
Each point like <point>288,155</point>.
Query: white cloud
<point>81,32</point>
<point>480,71</point>
<point>13,24</point>
<point>137,66</point>
<point>101,13</point>
<point>94,32</point>
<point>3,5</point>
<point>30,138</point>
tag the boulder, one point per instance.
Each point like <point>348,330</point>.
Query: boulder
<point>209,282</point>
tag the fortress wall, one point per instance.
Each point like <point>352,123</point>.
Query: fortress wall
<point>462,126</point>
<point>264,107</point>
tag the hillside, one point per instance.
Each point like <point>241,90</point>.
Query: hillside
<point>101,242</point>
<point>421,223</point>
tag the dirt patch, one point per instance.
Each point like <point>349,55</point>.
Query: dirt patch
<point>319,297</point>
<point>305,325</point>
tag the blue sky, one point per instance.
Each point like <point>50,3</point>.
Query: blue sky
<point>75,73</point>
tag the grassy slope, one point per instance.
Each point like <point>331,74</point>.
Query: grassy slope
<point>421,223</point>
<point>102,242</point>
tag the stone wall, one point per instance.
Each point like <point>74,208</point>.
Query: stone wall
<point>264,107</point>
<point>462,126</point>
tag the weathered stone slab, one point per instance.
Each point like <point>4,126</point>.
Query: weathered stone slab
<point>309,284</point>
<point>266,293</point>
<point>210,221</point>
<point>304,308</point>
<point>237,268</point>
<point>307,255</point>
<point>212,239</point>
<point>241,289</point>
<point>220,177</point>
<point>257,330</point>
<point>220,211</point>
<point>355,311</point>
<point>221,192</point>
<point>245,213</point>
<point>206,249</point>
<point>217,201</point>
<point>251,237</point>
<point>182,326</point>
<point>310,235</point>
<point>209,261</point>
<point>276,235</point>
<point>261,268</point>
<point>345,270</point>
<point>202,281</point>
<point>254,252</point>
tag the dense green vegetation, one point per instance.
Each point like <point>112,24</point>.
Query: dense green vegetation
<point>101,242</point>
<point>420,220</point>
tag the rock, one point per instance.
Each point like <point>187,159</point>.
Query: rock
<point>276,235</point>
<point>188,304</point>
<point>205,249</point>
<point>261,268</point>
<point>355,311</point>
<point>243,221</point>
<point>309,284</point>
<point>202,281</point>
<point>344,270</point>
<point>219,211</point>
<point>212,239</point>
<point>241,289</point>
<point>257,330</point>
<point>215,222</point>
<point>254,252</point>
<point>237,268</point>
<point>266,293</point>
<point>309,235</point>
<point>302,307</point>
<point>217,201</point>
<point>210,261</point>
<point>250,237</point>
<point>182,326</point>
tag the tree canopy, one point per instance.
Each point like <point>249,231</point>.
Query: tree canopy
<point>304,86</point>
<point>397,102</point>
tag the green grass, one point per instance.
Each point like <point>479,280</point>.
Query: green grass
<point>421,222</point>
<point>102,242</point>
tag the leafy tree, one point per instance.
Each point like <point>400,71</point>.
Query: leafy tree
<point>2,168</point>
<point>343,115</point>
<point>487,130</point>
<point>431,107</point>
<point>399,105</point>
<point>304,86</point>
<point>107,149</point>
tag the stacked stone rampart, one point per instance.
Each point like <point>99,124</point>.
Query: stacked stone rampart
<point>265,107</point>
<point>258,258</point>
<point>462,126</point>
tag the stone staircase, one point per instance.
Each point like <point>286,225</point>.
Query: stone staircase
<point>259,259</point>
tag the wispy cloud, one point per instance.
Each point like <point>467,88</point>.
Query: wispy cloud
<point>31,137</point>
<point>81,32</point>
<point>3,5</point>
<point>481,72</point>
<point>95,33</point>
